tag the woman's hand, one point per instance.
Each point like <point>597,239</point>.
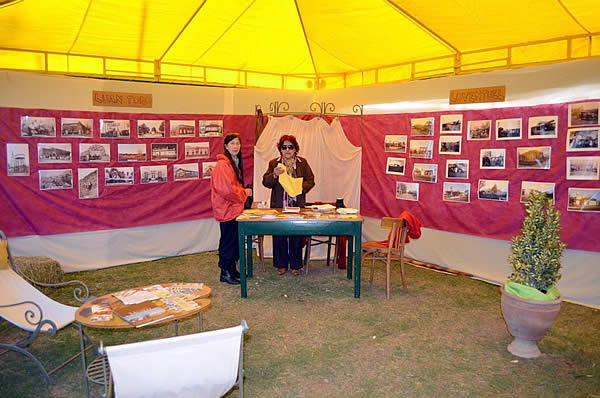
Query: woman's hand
<point>279,170</point>
<point>248,191</point>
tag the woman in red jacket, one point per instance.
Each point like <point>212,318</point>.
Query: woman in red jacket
<point>228,196</point>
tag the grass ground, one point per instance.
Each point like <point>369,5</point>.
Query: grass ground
<point>308,337</point>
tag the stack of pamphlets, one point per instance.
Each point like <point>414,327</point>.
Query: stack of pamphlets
<point>346,210</point>
<point>142,314</point>
<point>322,208</point>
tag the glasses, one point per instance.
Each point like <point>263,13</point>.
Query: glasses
<point>288,147</point>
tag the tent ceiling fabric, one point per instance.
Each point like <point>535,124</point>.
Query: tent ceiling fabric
<point>292,44</point>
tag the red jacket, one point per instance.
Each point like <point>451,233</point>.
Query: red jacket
<point>413,228</point>
<point>226,192</point>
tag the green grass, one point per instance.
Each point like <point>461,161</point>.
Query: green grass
<point>309,337</point>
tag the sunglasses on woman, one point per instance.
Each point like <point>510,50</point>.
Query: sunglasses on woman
<point>287,147</point>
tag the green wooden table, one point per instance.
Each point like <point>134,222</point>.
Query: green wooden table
<point>351,227</point>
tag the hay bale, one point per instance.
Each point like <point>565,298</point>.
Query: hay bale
<point>40,269</point>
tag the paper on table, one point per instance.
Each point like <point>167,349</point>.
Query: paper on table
<point>134,296</point>
<point>346,210</point>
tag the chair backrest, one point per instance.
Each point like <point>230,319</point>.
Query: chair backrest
<point>397,236</point>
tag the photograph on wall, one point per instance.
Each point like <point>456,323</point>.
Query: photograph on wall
<point>395,166</point>
<point>76,128</point>
<point>583,113</point>
<point>543,127</point>
<point>584,199</point>
<point>479,130</point>
<point>492,158</point>
<point>457,168</point>
<point>182,128</point>
<point>32,126</point>
<point>545,187</point>
<point>508,129</point>
<point>457,192</point>
<point>407,191</point>
<point>207,168</point>
<point>210,128</point>
<point>450,145</point>
<point>451,124</point>
<point>422,126</point>
<point>188,171</point>
<point>113,128</point>
<point>54,153</point>
<point>395,143</point>
<point>151,128</point>
<point>583,167</point>
<point>582,139</point>
<point>153,174</point>
<point>56,179</point>
<point>88,183</point>
<point>537,157</point>
<point>17,160</point>
<point>422,149</point>
<point>493,190</point>
<point>94,153</point>
<point>118,176</point>
<point>131,152</point>
<point>197,150</point>
<point>163,151</point>
<point>425,172</point>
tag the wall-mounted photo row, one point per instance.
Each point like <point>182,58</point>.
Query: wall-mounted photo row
<point>188,171</point>
<point>584,113</point>
<point>395,166</point>
<point>534,157</point>
<point>55,179</point>
<point>162,151</point>
<point>422,127</point>
<point>582,139</point>
<point>422,149</point>
<point>492,158</point>
<point>94,153</point>
<point>407,191</point>
<point>131,153</point>
<point>153,174</point>
<point>118,176</point>
<point>528,186</point>
<point>88,183</point>
<point>425,172</point>
<point>76,128</point>
<point>115,128</point>
<point>583,167</point>
<point>457,168</point>
<point>151,128</point>
<point>543,127</point>
<point>197,150</point>
<point>450,145</point>
<point>182,128</point>
<point>451,124</point>
<point>493,190</point>
<point>207,169</point>
<point>32,126</point>
<point>584,199</point>
<point>479,130</point>
<point>210,128</point>
<point>457,192</point>
<point>395,143</point>
<point>508,129</point>
<point>54,153</point>
<point>17,160</point>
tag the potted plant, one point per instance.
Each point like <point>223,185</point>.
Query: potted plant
<point>530,299</point>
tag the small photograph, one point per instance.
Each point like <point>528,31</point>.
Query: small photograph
<point>457,192</point>
<point>450,145</point>
<point>422,126</point>
<point>76,128</point>
<point>17,160</point>
<point>151,128</point>
<point>451,124</point>
<point>131,152</point>
<point>425,172</point>
<point>54,153</point>
<point>492,158</point>
<point>153,174</point>
<point>528,186</point>
<point>94,153</point>
<point>422,149</point>
<point>457,168</point>
<point>88,183</point>
<point>182,128</point>
<point>583,167</point>
<point>164,152</point>
<point>395,166</point>
<point>493,190</point>
<point>210,128</point>
<point>110,128</point>
<point>582,139</point>
<point>56,179</point>
<point>407,191</point>
<point>584,199</point>
<point>508,129</point>
<point>479,130</point>
<point>118,176</point>
<point>38,126</point>
<point>207,168</point>
<point>584,113</point>
<point>543,127</point>
<point>187,171</point>
<point>197,150</point>
<point>533,157</point>
<point>396,143</point>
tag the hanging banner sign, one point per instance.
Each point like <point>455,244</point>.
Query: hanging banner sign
<point>477,95</point>
<point>130,100</point>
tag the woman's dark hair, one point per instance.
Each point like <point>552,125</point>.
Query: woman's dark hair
<point>289,138</point>
<point>239,169</point>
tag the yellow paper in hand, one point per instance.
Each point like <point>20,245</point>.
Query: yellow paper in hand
<point>293,186</point>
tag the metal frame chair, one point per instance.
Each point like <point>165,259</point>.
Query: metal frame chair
<point>316,241</point>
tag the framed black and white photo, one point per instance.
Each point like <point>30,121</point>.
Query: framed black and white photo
<point>153,174</point>
<point>55,179</point>
<point>537,157</point>
<point>422,127</point>
<point>182,128</point>
<point>118,176</point>
<point>583,113</point>
<point>422,149</point>
<point>54,153</point>
<point>493,190</point>
<point>197,150</point>
<point>187,171</point>
<point>131,152</point>
<point>87,180</point>
<point>210,128</point>
<point>479,130</point>
<point>160,151</point>
<point>450,145</point>
<point>457,192</point>
<point>395,166</point>
<point>451,124</point>
<point>17,160</point>
<point>528,186</point>
<point>94,153</point>
<point>395,143</point>
<point>582,139</point>
<point>508,129</point>
<point>583,167</point>
<point>207,169</point>
<point>114,128</point>
<point>543,127</point>
<point>492,158</point>
<point>76,128</point>
<point>584,199</point>
<point>425,172</point>
<point>457,168</point>
<point>33,126</point>
<point>407,191</point>
<point>151,128</point>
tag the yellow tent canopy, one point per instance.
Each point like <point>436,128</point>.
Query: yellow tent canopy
<point>301,44</point>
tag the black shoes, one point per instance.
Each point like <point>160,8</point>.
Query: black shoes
<point>228,278</point>
<point>235,273</point>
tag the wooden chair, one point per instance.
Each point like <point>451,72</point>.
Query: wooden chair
<point>316,241</point>
<point>392,250</point>
<point>259,239</point>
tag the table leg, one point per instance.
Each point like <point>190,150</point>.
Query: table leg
<point>358,250</point>
<point>249,255</point>
<point>349,262</point>
<point>86,389</point>
<point>200,320</point>
<point>242,252</point>
<point>176,328</point>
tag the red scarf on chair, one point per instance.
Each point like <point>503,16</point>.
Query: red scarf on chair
<point>413,225</point>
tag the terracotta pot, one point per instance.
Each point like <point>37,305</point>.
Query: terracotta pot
<point>527,321</point>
